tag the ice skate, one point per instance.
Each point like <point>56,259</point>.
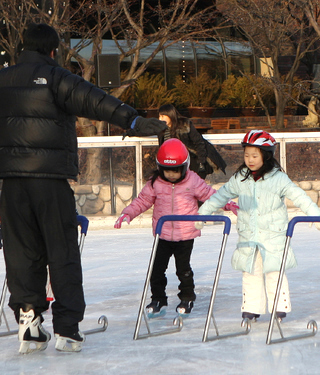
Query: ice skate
<point>72,343</point>
<point>184,308</point>
<point>155,309</point>
<point>32,335</point>
<point>250,316</point>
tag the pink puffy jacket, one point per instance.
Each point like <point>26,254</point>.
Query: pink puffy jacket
<point>172,199</point>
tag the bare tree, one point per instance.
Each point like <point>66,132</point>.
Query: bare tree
<point>14,15</point>
<point>273,29</point>
<point>139,25</point>
<point>132,24</point>
<point>312,11</point>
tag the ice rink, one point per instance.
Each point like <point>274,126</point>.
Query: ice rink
<point>114,268</point>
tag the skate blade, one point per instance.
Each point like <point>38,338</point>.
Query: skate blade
<point>159,314</point>
<point>246,321</point>
<point>182,312</point>
<point>27,347</point>
<point>68,345</point>
<point>183,315</point>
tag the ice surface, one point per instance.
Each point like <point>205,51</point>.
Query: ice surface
<point>114,268</point>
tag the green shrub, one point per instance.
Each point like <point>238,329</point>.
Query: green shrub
<point>200,91</point>
<point>241,91</point>
<point>151,92</point>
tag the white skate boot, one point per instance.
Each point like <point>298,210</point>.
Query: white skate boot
<point>71,343</point>
<point>32,335</point>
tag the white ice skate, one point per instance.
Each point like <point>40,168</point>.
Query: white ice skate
<point>32,335</point>
<point>70,344</point>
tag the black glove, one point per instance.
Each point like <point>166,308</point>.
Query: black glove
<point>201,168</point>
<point>202,171</point>
<point>144,127</point>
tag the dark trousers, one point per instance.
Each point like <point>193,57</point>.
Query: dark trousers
<point>182,253</point>
<point>39,227</point>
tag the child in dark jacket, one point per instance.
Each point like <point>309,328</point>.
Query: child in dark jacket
<point>204,158</point>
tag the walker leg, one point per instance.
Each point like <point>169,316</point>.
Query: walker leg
<point>210,316</point>
<point>102,321</point>
<point>312,323</point>
<point>177,322</point>
<point>9,332</point>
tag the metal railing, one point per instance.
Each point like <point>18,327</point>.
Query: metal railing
<point>218,139</point>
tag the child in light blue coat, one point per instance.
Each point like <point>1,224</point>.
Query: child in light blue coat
<point>261,186</point>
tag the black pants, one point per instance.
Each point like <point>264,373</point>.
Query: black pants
<point>182,254</point>
<point>39,227</point>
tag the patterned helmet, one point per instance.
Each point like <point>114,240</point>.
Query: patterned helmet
<point>260,139</point>
<point>173,154</point>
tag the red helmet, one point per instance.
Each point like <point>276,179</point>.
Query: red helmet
<point>260,139</point>
<point>173,154</point>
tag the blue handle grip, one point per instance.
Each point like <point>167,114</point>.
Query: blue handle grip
<point>227,221</point>
<point>298,219</point>
<point>84,223</point>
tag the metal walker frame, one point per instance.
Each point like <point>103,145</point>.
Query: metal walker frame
<point>178,322</point>
<point>245,323</point>
<point>312,324</point>
<point>2,313</point>
<point>83,222</point>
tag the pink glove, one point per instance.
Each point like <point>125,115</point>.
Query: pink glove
<point>231,206</point>
<point>121,218</point>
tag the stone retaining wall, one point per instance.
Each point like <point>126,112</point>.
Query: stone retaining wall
<point>96,199</point>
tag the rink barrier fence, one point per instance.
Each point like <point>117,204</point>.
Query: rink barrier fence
<point>106,200</point>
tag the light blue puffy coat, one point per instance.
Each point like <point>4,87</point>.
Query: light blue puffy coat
<point>262,217</point>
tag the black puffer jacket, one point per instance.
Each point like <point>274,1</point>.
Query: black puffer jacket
<point>38,104</point>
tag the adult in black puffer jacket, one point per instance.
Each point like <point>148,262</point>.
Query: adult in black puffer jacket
<point>38,153</point>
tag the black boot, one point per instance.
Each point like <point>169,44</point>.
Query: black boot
<point>156,308</point>
<point>184,307</point>
<point>250,316</point>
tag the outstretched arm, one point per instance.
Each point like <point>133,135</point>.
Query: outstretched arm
<point>81,98</point>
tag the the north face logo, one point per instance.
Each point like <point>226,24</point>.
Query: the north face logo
<point>40,81</point>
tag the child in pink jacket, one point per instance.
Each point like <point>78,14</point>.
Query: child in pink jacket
<point>172,190</point>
